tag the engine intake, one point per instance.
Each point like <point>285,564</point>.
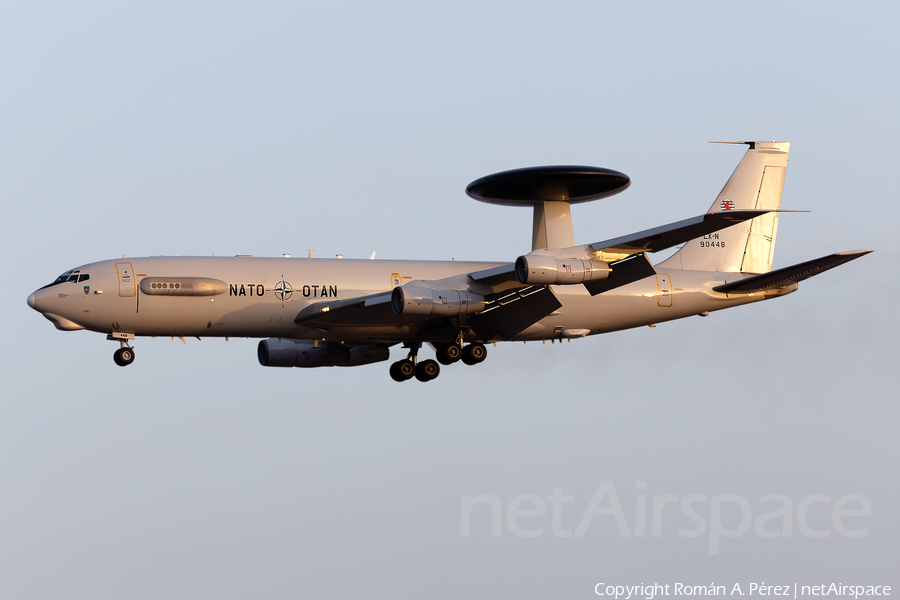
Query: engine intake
<point>418,300</point>
<point>288,353</point>
<point>537,269</point>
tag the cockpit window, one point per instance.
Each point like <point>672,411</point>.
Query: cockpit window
<point>71,276</point>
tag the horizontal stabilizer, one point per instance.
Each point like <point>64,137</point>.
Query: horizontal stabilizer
<point>789,275</point>
<point>666,236</point>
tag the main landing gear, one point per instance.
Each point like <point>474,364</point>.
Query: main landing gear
<point>474,354</point>
<point>403,370</point>
<point>449,354</point>
<point>409,367</point>
<point>406,369</point>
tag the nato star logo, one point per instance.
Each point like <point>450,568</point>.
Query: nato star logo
<point>283,290</point>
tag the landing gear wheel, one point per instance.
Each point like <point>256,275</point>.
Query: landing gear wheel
<point>402,370</point>
<point>427,370</point>
<point>449,354</point>
<point>123,357</point>
<point>474,353</point>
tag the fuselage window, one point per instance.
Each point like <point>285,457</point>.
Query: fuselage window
<point>84,277</point>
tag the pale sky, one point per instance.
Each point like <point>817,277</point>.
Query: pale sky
<point>197,127</point>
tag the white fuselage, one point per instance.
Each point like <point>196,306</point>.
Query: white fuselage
<point>264,295</point>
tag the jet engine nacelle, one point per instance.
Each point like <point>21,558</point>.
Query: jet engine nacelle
<point>418,300</point>
<point>288,353</point>
<point>536,269</point>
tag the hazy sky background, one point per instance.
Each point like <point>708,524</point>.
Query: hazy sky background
<point>198,127</point>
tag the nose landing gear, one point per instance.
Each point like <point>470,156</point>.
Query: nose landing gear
<point>124,356</point>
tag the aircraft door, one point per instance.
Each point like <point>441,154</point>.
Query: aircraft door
<point>665,290</point>
<point>126,280</point>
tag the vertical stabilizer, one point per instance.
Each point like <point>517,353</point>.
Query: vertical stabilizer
<point>749,247</point>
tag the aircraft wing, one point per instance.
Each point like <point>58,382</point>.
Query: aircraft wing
<point>332,308</point>
<point>789,275</point>
<point>649,240</point>
<point>510,306</point>
<point>378,306</point>
<point>495,275</point>
<point>509,312</point>
<point>666,236</point>
<point>623,250</point>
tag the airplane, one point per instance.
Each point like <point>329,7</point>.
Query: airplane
<point>317,312</point>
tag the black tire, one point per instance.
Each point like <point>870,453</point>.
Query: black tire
<point>403,370</point>
<point>449,354</point>
<point>406,368</point>
<point>427,370</point>
<point>474,354</point>
<point>395,372</point>
<point>123,357</point>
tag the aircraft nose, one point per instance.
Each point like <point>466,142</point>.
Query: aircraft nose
<point>36,300</point>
